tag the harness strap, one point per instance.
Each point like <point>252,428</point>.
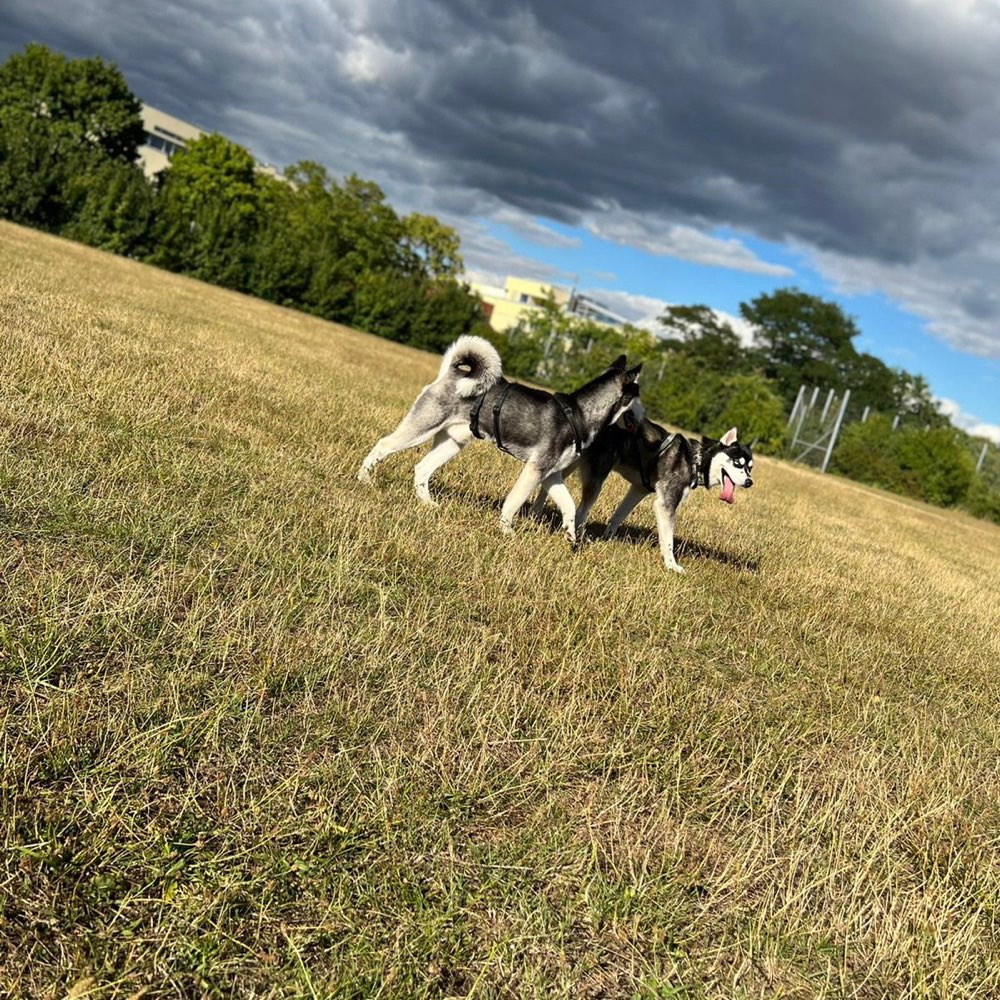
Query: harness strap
<point>474,415</point>
<point>644,470</point>
<point>564,404</point>
<point>497,407</point>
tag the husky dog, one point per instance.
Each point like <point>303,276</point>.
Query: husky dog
<point>471,398</point>
<point>667,465</point>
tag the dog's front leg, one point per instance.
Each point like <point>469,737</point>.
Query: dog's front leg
<point>562,498</point>
<point>630,501</point>
<point>666,513</point>
<point>525,485</point>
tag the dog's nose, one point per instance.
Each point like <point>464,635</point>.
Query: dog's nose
<point>748,483</point>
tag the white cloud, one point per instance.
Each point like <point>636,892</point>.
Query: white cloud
<point>644,311</point>
<point>531,229</point>
<point>968,422</point>
<point>670,239</point>
<point>957,296</point>
<point>489,259</point>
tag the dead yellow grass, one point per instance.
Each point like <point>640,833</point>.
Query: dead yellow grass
<point>268,732</point>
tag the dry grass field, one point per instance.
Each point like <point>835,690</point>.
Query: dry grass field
<point>267,732</point>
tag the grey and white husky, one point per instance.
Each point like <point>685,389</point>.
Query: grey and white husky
<point>656,462</point>
<point>546,431</point>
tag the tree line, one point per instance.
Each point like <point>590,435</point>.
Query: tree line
<point>69,135</point>
<point>698,374</point>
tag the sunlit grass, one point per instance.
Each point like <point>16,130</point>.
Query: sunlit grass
<point>269,732</point>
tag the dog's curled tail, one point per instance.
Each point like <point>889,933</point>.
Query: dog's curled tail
<point>474,363</point>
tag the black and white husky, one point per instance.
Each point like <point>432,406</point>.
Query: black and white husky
<point>546,431</point>
<point>656,462</point>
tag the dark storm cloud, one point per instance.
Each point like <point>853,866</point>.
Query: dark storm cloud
<point>865,134</point>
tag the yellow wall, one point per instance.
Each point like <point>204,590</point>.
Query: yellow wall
<point>506,302</point>
<point>535,290</point>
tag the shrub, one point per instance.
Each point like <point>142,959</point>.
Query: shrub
<point>756,409</point>
<point>926,464</point>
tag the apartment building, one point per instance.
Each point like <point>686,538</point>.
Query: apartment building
<point>519,297</point>
<point>166,134</point>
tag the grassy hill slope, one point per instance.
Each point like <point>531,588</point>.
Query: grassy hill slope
<point>269,732</point>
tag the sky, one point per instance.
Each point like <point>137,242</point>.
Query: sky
<point>646,151</point>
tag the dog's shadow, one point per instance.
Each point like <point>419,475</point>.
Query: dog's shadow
<point>627,534</point>
<point>634,535</point>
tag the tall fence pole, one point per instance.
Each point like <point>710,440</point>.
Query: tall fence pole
<point>826,407</point>
<point>803,410</point>
<point>836,429</point>
<point>982,456</point>
<point>798,400</point>
<point>864,416</point>
<point>895,421</point>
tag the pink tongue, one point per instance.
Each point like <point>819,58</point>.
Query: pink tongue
<point>727,489</point>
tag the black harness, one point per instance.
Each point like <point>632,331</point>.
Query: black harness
<point>564,402</point>
<point>474,415</point>
<point>639,447</point>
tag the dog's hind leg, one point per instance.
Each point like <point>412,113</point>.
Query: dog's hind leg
<point>447,444</point>
<point>592,486</point>
<point>630,501</point>
<point>424,420</point>
<point>563,499</point>
<point>525,485</point>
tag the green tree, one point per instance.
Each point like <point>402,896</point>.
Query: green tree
<point>801,338</point>
<point>912,399</point>
<point>33,176</point>
<point>111,205</point>
<point>751,404</point>
<point>983,498</point>
<point>872,382</point>
<point>207,217</point>
<point>709,341</point>
<point>434,246</point>
<point>681,391</point>
<point>83,102</point>
<point>59,119</point>
<point>446,311</point>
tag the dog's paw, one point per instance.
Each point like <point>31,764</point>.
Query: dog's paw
<point>506,528</point>
<point>675,568</point>
<point>427,500</point>
<point>364,475</point>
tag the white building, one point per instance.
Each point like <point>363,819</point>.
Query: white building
<point>165,134</point>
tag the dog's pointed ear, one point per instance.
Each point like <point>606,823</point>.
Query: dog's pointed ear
<point>632,375</point>
<point>729,437</point>
<point>618,365</point>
